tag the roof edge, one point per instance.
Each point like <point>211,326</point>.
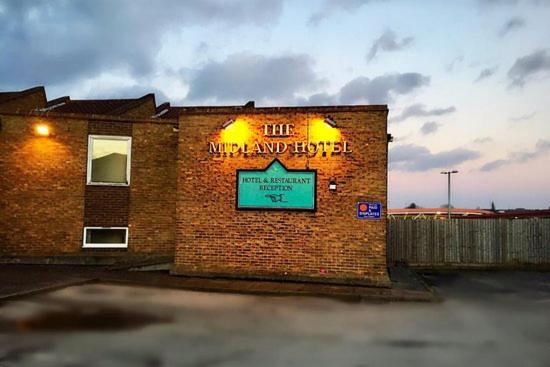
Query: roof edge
<point>94,117</point>
<point>297,109</point>
<point>133,103</point>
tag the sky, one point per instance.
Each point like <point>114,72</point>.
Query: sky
<point>467,82</point>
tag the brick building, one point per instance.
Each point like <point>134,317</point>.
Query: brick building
<point>295,193</point>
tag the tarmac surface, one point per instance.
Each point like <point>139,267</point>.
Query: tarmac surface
<point>23,280</point>
<point>486,319</point>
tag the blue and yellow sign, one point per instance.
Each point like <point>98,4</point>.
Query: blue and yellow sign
<point>276,188</point>
<point>368,210</point>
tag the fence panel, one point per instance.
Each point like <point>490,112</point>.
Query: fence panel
<point>469,242</point>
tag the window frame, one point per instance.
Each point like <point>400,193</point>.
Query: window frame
<point>89,159</point>
<point>104,245</point>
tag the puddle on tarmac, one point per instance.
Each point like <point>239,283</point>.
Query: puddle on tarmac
<point>81,319</point>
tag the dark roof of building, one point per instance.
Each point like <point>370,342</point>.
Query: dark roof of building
<point>133,106</point>
<point>97,106</point>
<point>9,96</point>
<point>164,111</point>
<point>55,102</point>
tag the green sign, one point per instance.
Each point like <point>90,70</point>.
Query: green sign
<point>276,188</point>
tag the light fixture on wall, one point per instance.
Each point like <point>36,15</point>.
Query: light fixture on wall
<point>332,184</point>
<point>227,123</point>
<point>330,121</point>
<point>42,130</point>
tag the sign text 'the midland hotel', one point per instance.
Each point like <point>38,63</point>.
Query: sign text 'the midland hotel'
<point>323,147</point>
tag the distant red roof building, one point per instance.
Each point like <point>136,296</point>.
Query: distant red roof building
<point>437,213</point>
<point>441,213</point>
<point>520,213</point>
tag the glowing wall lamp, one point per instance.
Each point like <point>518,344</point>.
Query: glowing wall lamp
<point>330,121</point>
<point>234,131</point>
<point>332,184</point>
<point>42,130</point>
<point>227,123</point>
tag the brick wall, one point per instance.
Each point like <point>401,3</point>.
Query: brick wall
<point>45,202</point>
<point>107,206</point>
<point>213,238</point>
<point>41,186</point>
<point>42,206</point>
<point>153,188</point>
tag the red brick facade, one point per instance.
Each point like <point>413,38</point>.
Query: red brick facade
<point>330,244</point>
<point>45,202</point>
<point>42,186</point>
<point>181,200</point>
<point>152,217</point>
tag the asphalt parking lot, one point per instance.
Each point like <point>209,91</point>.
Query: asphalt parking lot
<point>487,319</point>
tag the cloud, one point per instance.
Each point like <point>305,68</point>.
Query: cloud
<point>388,42</point>
<point>524,117</point>
<point>527,66</point>
<point>382,88</point>
<point>332,6</point>
<point>429,127</point>
<point>485,73</point>
<point>286,79</point>
<point>483,140</point>
<point>411,157</point>
<point>245,76</point>
<point>319,99</point>
<point>362,90</point>
<point>542,147</point>
<point>511,25</point>
<point>493,165</point>
<point>419,110</point>
<point>456,61</point>
<point>497,2</point>
<point>58,42</point>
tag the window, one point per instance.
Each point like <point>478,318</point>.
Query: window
<point>109,160</point>
<point>106,237</point>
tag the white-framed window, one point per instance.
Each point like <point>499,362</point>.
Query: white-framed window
<point>109,160</point>
<point>105,237</point>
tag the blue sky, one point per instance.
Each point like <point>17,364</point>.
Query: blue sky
<point>467,82</point>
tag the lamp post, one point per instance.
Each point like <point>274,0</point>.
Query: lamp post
<point>449,173</point>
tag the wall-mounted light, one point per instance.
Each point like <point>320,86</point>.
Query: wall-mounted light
<point>42,130</point>
<point>332,184</point>
<point>227,123</point>
<point>330,121</point>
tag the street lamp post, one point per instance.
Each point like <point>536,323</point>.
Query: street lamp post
<point>449,173</point>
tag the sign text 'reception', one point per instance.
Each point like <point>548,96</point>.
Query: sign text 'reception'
<point>276,188</point>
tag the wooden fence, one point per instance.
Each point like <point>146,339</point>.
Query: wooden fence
<point>469,242</point>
